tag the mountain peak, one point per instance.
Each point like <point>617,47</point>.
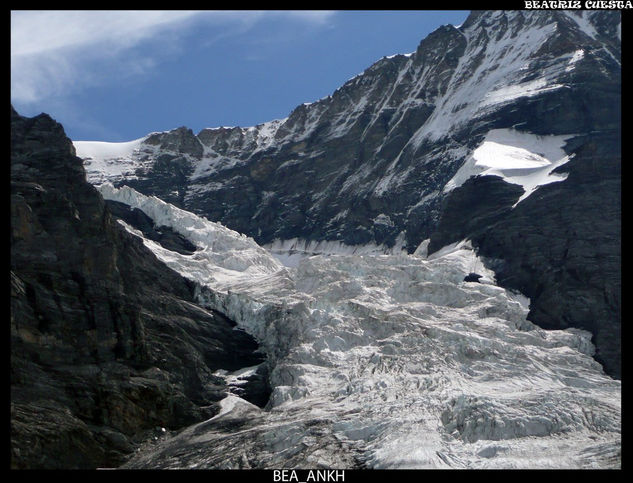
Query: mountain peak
<point>374,162</point>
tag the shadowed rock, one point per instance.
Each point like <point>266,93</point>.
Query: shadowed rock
<point>107,343</point>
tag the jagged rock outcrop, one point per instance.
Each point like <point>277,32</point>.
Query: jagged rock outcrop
<point>172,165</point>
<point>107,344</point>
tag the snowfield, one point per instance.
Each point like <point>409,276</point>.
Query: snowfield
<point>105,161</point>
<point>386,361</point>
<point>518,158</point>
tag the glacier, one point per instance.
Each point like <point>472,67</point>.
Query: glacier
<point>384,360</point>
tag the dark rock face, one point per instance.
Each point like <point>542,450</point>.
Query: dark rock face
<point>472,277</point>
<point>561,246</point>
<point>177,151</point>
<point>106,341</point>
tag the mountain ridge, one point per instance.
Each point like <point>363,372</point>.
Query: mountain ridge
<point>370,163</point>
<point>222,144</point>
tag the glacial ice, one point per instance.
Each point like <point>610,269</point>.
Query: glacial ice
<point>386,361</point>
<point>106,161</point>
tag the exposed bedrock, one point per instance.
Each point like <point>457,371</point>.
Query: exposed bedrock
<point>107,344</point>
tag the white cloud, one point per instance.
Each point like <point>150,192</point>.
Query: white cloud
<point>36,32</point>
<point>314,16</point>
<point>54,53</point>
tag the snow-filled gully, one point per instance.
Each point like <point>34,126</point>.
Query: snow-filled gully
<point>386,361</point>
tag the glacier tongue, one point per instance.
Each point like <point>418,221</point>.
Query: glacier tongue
<point>387,361</point>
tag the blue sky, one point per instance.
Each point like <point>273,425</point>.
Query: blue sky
<point>119,75</point>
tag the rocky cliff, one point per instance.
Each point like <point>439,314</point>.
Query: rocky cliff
<point>108,348</point>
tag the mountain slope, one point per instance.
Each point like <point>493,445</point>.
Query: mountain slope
<point>531,97</point>
<point>373,147</point>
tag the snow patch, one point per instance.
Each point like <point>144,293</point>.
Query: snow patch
<point>518,157</point>
<point>234,406</point>
<point>224,257</point>
<point>100,149</point>
<point>526,89</point>
<point>583,20</point>
<point>576,56</point>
